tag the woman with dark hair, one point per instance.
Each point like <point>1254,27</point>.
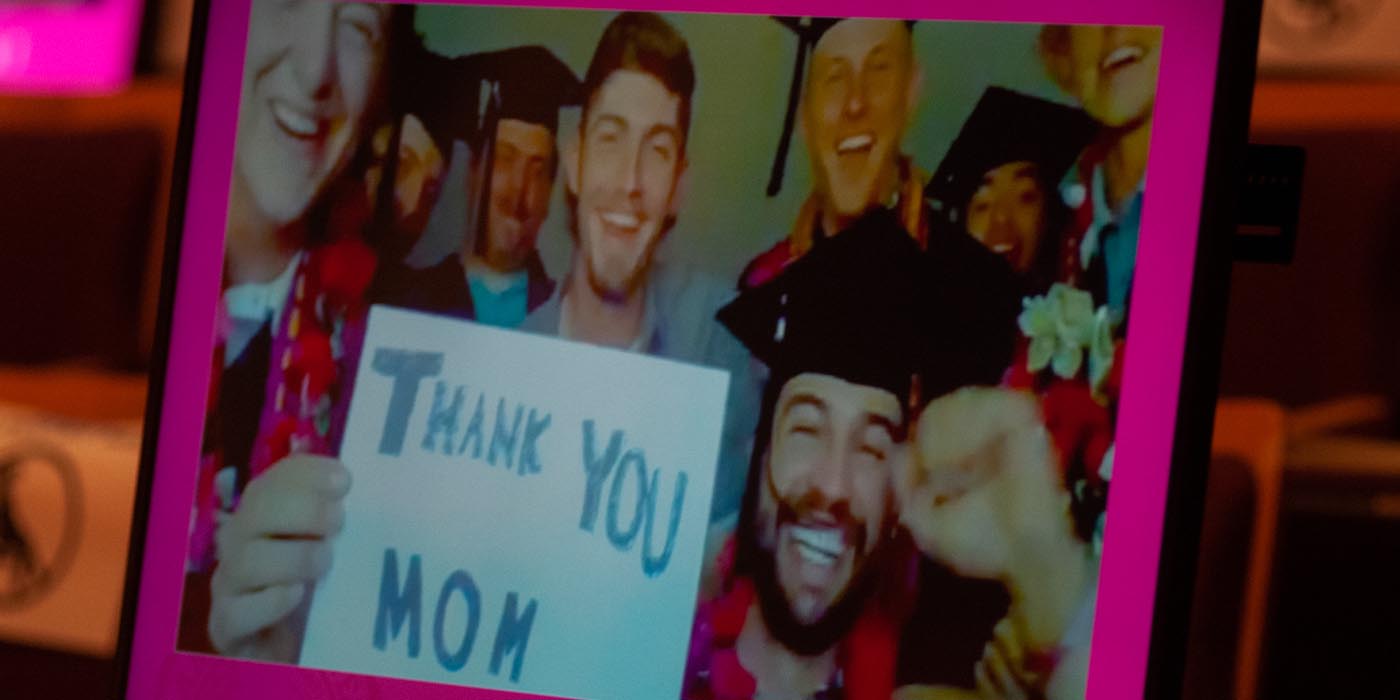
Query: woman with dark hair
<point>291,318</point>
<point>999,181</point>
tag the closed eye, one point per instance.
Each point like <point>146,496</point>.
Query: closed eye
<point>873,451</point>
<point>363,20</point>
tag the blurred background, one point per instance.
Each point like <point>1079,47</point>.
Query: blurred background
<point>1297,592</point>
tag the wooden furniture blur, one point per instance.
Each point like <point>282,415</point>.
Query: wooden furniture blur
<point>72,658</point>
<point>1326,104</point>
<point>1318,338</point>
<point>1251,432</point>
<point>79,393</point>
<point>149,103</point>
<point>1324,326</point>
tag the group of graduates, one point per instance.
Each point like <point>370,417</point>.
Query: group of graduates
<point>923,371</point>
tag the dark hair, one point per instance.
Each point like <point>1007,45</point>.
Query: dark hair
<point>645,42</point>
<point>747,552</point>
<point>883,579</point>
<point>1056,220</point>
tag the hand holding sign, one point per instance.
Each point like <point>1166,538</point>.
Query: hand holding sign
<point>272,550</point>
<point>528,513</point>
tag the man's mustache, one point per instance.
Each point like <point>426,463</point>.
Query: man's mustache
<point>815,508</point>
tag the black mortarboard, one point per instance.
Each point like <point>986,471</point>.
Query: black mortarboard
<point>415,86</point>
<point>528,83</point>
<point>872,308</point>
<point>809,31</point>
<point>1006,127</point>
<point>464,98</point>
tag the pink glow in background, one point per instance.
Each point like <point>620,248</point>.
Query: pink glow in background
<point>1145,425</point>
<point>60,47</point>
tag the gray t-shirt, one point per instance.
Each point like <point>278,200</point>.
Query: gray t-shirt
<point>679,324</point>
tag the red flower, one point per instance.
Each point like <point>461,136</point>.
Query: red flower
<point>1081,427</point>
<point>767,265</point>
<point>1113,385</point>
<point>728,677</point>
<point>343,271</point>
<point>350,214</point>
<point>311,362</point>
<point>729,612</point>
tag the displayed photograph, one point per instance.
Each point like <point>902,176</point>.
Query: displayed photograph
<point>632,355</point>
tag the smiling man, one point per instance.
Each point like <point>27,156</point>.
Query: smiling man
<point>856,99</point>
<point>1112,71</point>
<point>624,176</point>
<point>819,581</point>
<point>496,277</point>
<point>313,87</point>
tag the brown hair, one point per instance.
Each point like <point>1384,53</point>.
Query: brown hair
<point>645,42</point>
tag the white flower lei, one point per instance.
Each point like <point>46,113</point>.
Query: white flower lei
<point>1063,326</point>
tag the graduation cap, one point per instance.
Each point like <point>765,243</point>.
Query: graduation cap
<point>525,83</point>
<point>809,31</point>
<point>870,307</point>
<point>1007,127</point>
<point>414,86</point>
<point>464,98</point>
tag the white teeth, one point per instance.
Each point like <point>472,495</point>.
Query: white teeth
<point>297,123</point>
<point>1001,248</point>
<point>855,143</point>
<point>621,220</point>
<point>814,556</point>
<point>1120,56</point>
<point>818,545</point>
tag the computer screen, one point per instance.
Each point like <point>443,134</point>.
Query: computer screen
<point>679,349</point>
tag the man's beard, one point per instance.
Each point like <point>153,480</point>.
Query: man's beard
<point>617,293</point>
<point>812,638</point>
<point>620,288</point>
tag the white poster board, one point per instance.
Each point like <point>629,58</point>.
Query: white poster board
<point>525,514</point>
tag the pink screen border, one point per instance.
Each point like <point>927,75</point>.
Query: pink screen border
<point>1162,288</point>
<point>87,48</point>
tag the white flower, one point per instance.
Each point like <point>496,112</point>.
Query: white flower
<point>1037,322</point>
<point>1075,320</point>
<point>1068,359</point>
<point>1060,326</point>
<point>1037,316</point>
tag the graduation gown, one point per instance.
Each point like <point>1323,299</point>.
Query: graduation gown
<point>442,288</point>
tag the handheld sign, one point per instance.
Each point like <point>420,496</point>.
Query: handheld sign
<point>526,513</point>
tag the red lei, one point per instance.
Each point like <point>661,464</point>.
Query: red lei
<point>311,371</point>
